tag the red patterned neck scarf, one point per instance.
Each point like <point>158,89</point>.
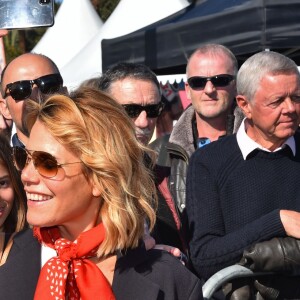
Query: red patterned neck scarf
<point>71,275</point>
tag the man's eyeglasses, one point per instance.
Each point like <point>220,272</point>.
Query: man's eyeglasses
<point>152,110</point>
<point>199,82</point>
<point>21,90</point>
<point>43,162</point>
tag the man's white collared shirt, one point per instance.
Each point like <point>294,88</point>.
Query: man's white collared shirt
<point>247,145</point>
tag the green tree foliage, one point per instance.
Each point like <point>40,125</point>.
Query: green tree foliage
<point>21,41</point>
<point>106,7</point>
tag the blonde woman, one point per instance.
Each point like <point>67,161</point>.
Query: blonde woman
<point>89,195</point>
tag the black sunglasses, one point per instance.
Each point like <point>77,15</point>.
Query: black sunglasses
<point>199,82</point>
<point>152,110</point>
<point>21,90</point>
<point>43,162</point>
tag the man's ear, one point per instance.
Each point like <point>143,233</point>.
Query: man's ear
<point>244,105</point>
<point>187,91</point>
<point>4,109</point>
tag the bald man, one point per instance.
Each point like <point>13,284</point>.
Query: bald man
<point>29,76</point>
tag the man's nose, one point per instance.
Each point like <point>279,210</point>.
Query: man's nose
<point>142,121</point>
<point>209,87</point>
<point>289,104</point>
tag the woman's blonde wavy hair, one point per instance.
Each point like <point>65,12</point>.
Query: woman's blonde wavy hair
<point>97,129</point>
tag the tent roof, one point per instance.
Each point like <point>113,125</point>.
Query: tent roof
<point>245,26</point>
<point>128,16</point>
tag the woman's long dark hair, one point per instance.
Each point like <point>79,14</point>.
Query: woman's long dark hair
<point>16,220</point>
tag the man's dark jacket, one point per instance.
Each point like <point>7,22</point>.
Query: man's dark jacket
<point>174,152</point>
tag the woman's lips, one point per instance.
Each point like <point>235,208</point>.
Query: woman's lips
<point>37,197</point>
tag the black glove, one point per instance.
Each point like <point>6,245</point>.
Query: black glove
<point>266,292</point>
<point>276,255</point>
<point>240,288</point>
<point>278,287</point>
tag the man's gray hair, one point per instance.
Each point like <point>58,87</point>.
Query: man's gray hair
<point>257,66</point>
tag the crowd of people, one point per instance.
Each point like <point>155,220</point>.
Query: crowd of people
<point>111,214</point>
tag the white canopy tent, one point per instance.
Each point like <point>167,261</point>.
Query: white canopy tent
<point>76,22</point>
<point>129,15</point>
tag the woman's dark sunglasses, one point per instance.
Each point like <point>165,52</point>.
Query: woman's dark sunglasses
<point>43,162</point>
<point>21,90</point>
<point>199,82</point>
<point>152,110</point>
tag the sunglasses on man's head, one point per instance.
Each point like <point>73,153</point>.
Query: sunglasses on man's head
<point>199,82</point>
<point>21,90</point>
<point>43,162</point>
<point>152,110</point>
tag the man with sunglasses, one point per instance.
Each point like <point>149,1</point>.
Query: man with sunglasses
<point>137,89</point>
<point>31,76</point>
<point>210,86</point>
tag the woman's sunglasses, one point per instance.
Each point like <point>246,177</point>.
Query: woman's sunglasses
<point>43,162</point>
<point>152,110</point>
<point>199,82</point>
<point>21,90</point>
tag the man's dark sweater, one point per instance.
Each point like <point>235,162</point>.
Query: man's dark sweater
<point>233,203</point>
